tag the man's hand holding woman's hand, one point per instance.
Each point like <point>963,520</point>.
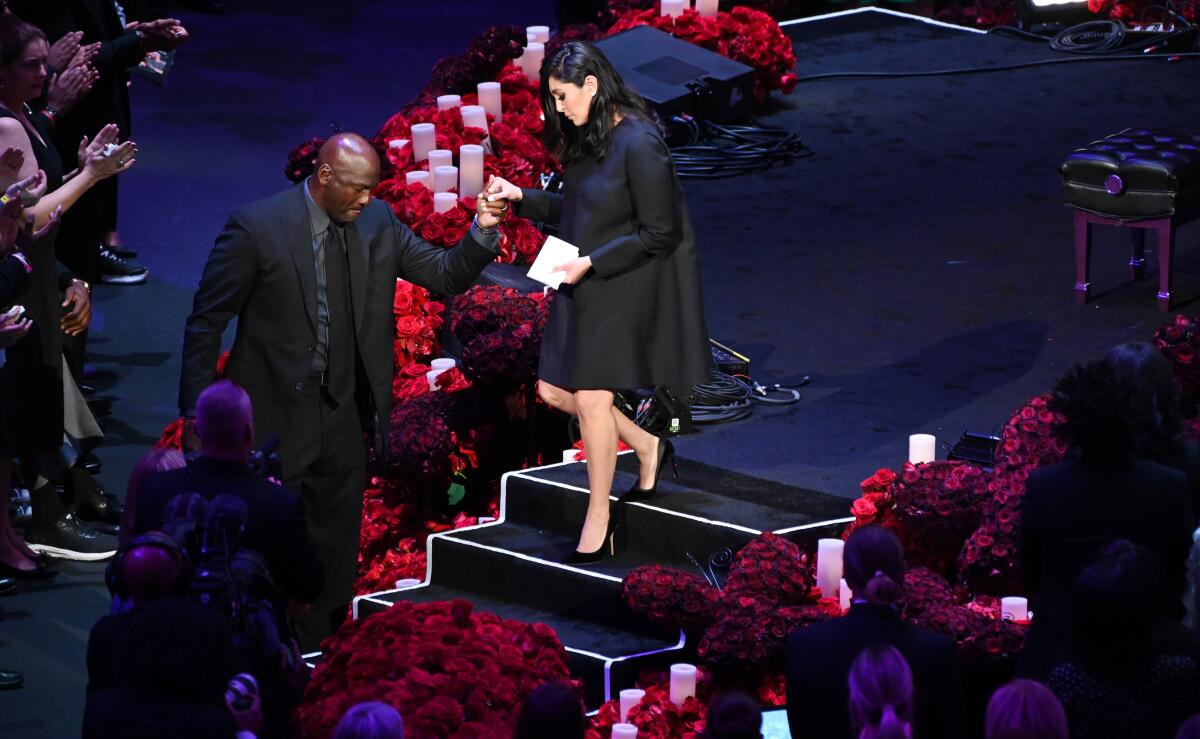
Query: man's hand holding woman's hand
<point>492,205</point>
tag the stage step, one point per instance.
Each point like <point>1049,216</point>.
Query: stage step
<point>513,567</point>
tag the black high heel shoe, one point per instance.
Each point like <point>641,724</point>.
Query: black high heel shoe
<point>610,537</point>
<point>666,453</point>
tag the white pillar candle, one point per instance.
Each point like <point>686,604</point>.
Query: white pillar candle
<point>629,697</point>
<point>843,595</point>
<point>424,141</point>
<point>444,201</point>
<point>569,455</point>
<point>683,683</point>
<point>445,178</point>
<point>431,378</point>
<point>829,565</point>
<point>445,102</point>
<point>489,98</point>
<point>707,8</point>
<point>1014,609</point>
<point>419,175</point>
<point>474,116</point>
<point>470,170</point>
<point>540,34</point>
<point>441,364</point>
<point>673,8</point>
<point>397,144</point>
<point>440,158</point>
<point>407,582</point>
<point>922,448</point>
<point>531,60</point>
<point>624,731</point>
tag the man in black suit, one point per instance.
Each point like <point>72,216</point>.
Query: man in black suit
<point>819,656</point>
<point>311,275</point>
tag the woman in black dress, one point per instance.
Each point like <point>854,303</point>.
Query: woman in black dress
<point>629,313</point>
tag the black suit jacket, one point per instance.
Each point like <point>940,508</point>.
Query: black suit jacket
<point>126,712</point>
<point>818,668</point>
<point>275,526</point>
<point>1070,511</point>
<point>261,270</point>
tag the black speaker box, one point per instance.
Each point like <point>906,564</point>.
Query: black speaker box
<point>677,77</point>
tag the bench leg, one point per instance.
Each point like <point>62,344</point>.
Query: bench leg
<point>1165,230</point>
<point>1083,256</point>
<point>1137,259</point>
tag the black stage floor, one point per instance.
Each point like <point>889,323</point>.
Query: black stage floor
<point>918,266</point>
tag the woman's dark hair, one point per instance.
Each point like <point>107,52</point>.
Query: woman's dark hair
<point>873,564</point>
<point>173,646</point>
<point>1025,709</point>
<point>552,711</point>
<point>733,716</point>
<point>881,694</point>
<point>1118,605</point>
<point>15,36</point>
<point>573,63</point>
<point>1100,410</point>
<point>1156,392</point>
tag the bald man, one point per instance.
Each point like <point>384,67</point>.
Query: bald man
<point>310,275</point>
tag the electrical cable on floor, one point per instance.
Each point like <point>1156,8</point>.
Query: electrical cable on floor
<point>715,151</point>
<point>726,398</point>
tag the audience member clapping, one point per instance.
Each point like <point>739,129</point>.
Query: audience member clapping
<point>733,716</point>
<point>1025,709</point>
<point>552,711</point>
<point>371,720</point>
<point>881,694</point>
<point>1116,680</point>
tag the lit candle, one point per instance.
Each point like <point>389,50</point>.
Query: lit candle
<point>540,34</point>
<point>446,102</point>
<point>424,141</point>
<point>397,144</point>
<point>431,378</point>
<point>569,455</point>
<point>673,8</point>
<point>407,582</point>
<point>419,175</point>
<point>922,448</point>
<point>843,595</point>
<point>440,158</point>
<point>489,98</point>
<point>444,201</point>
<point>624,731</point>
<point>829,565</point>
<point>470,170</point>
<point>631,696</point>
<point>474,116</point>
<point>707,8</point>
<point>683,683</point>
<point>1014,609</point>
<point>445,178</point>
<point>531,60</point>
<point>441,364</point>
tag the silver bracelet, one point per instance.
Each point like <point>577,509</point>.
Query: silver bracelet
<point>486,231</point>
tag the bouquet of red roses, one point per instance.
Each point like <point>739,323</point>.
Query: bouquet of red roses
<point>976,627</point>
<point>937,507</point>
<point>656,716</point>
<point>667,596</point>
<point>418,319</point>
<point>451,672</point>
<point>1179,342</point>
<point>876,505</point>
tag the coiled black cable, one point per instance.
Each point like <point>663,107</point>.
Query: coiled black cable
<point>728,151</point>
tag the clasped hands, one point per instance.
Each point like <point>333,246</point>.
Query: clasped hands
<point>494,204</point>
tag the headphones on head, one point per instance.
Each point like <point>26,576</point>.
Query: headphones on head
<point>114,576</point>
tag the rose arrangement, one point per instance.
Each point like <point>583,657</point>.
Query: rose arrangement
<point>450,671</point>
<point>938,505</point>
<point>1179,342</point>
<point>656,716</point>
<point>876,504</point>
<point>975,626</point>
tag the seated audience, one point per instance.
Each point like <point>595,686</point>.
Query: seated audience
<point>733,716</point>
<point>552,711</point>
<point>371,720</point>
<point>1025,709</point>
<point>881,694</point>
<point>156,460</point>
<point>1116,681</point>
<point>1101,492</point>
<point>819,656</point>
<point>275,524</point>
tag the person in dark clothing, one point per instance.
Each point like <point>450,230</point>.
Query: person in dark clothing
<point>629,313</point>
<point>275,525</point>
<point>819,656</point>
<point>1101,492</point>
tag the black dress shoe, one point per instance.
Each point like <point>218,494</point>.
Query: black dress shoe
<point>7,585</point>
<point>10,680</point>
<point>101,506</point>
<point>666,453</point>
<point>41,572</point>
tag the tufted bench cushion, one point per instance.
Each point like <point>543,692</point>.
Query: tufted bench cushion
<point>1137,173</point>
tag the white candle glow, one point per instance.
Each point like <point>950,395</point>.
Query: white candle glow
<point>397,144</point>
<point>470,170</point>
<point>707,8</point>
<point>673,8</point>
<point>631,696</point>
<point>445,178</point>
<point>624,731</point>
<point>843,595</point>
<point>540,34</point>
<point>489,98</point>
<point>419,175</point>
<point>424,141</point>
<point>474,116</point>
<point>531,60</point>
<point>444,201</point>
<point>922,448</point>
<point>407,582</point>
<point>829,565</point>
<point>440,158</point>
<point>1014,608</point>
<point>437,366</point>
<point>445,102</point>
<point>569,456</point>
<point>683,683</point>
